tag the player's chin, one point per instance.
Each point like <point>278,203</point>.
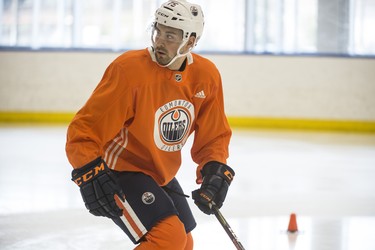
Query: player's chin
<point>163,61</point>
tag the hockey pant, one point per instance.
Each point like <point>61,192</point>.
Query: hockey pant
<point>156,217</point>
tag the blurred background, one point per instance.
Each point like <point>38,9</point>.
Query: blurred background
<point>299,89</point>
<point>283,62</point>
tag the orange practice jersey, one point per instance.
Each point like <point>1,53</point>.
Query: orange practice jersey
<point>140,115</point>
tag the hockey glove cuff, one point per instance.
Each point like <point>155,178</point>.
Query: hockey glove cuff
<point>216,180</point>
<point>98,186</point>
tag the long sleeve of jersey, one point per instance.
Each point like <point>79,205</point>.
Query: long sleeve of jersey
<point>140,116</point>
<point>101,118</point>
<point>212,131</point>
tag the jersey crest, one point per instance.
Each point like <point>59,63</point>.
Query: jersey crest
<point>172,124</point>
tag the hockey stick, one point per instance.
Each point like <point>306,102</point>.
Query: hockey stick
<point>227,228</point>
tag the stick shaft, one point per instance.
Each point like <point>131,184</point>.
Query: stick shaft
<point>228,229</point>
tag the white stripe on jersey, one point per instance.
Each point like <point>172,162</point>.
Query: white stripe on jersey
<point>123,146</point>
<point>118,144</point>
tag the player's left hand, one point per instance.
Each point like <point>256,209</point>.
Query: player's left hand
<point>216,180</point>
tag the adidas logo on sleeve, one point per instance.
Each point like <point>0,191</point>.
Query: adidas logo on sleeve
<point>200,94</point>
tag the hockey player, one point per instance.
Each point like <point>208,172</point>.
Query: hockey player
<point>125,142</point>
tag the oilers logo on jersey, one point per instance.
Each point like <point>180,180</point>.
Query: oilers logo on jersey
<point>172,125</point>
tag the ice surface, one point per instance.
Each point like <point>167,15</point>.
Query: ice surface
<point>327,179</point>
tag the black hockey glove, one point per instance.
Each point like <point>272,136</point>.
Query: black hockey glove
<point>98,186</point>
<point>216,180</point>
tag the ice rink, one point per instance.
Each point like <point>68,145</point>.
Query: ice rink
<point>327,179</point>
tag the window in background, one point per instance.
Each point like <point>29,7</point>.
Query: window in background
<point>92,23</point>
<point>342,27</point>
<point>224,25</point>
<point>53,24</point>
<point>362,27</point>
<point>114,24</point>
<point>8,16</point>
<point>26,22</point>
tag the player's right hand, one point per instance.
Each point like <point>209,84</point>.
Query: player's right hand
<point>98,186</point>
<point>216,180</point>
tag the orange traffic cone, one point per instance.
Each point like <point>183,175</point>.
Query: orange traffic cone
<point>292,228</point>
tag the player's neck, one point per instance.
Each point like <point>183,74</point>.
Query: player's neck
<point>176,65</point>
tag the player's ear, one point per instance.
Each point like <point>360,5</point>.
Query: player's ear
<point>191,42</point>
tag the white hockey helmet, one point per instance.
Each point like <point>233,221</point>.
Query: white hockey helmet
<point>182,15</point>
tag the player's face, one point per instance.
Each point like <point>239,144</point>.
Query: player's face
<point>166,41</point>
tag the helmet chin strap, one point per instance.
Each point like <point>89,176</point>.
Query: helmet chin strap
<point>178,55</point>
